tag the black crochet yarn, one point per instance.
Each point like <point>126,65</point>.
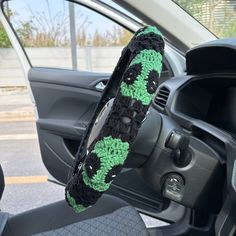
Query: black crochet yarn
<point>132,73</point>
<point>147,41</point>
<point>152,82</point>
<point>124,120</point>
<point>81,192</point>
<point>113,173</point>
<point>92,164</point>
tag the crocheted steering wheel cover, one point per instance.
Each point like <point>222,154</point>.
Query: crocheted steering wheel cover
<point>108,152</point>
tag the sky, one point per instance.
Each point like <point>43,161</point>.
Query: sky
<point>97,22</point>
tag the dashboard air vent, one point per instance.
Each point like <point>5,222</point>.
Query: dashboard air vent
<point>162,97</point>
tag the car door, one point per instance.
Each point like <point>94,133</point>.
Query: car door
<point>68,51</point>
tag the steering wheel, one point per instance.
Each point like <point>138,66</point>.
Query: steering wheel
<point>117,119</point>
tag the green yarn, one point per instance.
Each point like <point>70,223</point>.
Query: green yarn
<point>112,152</point>
<point>150,29</point>
<point>150,60</point>
<point>76,207</point>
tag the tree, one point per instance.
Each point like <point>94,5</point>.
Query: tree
<point>45,29</point>
<point>117,36</point>
<point>50,28</point>
<point>99,39</point>
<point>4,40</point>
<point>212,13</point>
<point>124,36</point>
<point>82,37</point>
<point>25,33</point>
<point>191,6</point>
<point>229,31</point>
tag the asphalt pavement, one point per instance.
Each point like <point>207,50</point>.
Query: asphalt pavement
<point>15,105</point>
<point>25,175</point>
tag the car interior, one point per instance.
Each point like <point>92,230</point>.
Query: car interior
<point>181,168</point>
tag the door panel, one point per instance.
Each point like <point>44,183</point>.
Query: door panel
<point>65,102</point>
<point>80,79</point>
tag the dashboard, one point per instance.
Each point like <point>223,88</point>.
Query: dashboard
<point>201,106</point>
<point>211,100</point>
<point>200,101</point>
<point>204,107</point>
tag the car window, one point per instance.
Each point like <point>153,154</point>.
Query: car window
<point>219,16</point>
<point>62,34</point>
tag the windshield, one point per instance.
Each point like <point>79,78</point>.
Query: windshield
<point>219,16</point>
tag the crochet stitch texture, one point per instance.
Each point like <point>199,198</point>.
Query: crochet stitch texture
<point>108,152</point>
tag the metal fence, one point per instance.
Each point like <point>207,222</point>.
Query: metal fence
<point>97,59</point>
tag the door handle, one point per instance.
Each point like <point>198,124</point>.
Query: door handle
<point>101,85</point>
